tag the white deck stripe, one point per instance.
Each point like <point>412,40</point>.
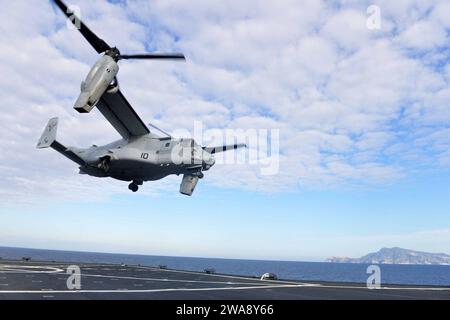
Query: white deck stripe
<point>149,290</point>
<point>26,269</point>
<point>171,280</point>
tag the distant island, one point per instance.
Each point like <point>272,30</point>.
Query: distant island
<point>397,256</point>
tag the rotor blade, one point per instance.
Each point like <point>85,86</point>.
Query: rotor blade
<point>99,44</point>
<point>214,150</point>
<point>179,56</point>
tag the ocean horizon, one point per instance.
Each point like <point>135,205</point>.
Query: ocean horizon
<point>436,275</point>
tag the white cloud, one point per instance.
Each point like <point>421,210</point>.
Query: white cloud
<point>347,28</point>
<point>424,35</point>
<point>344,98</point>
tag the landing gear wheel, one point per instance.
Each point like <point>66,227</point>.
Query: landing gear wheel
<point>133,187</point>
<point>201,175</point>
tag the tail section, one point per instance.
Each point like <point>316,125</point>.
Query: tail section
<point>49,134</point>
<point>48,139</point>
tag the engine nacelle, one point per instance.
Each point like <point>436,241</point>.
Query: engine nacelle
<point>97,82</point>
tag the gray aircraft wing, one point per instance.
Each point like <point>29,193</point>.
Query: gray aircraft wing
<point>118,111</point>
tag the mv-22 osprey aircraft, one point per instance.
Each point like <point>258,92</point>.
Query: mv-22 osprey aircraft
<point>140,155</point>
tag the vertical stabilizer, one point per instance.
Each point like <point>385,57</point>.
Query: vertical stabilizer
<point>49,134</point>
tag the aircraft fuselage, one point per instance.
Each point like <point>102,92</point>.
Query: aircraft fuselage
<point>145,158</point>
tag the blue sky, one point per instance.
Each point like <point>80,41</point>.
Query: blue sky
<point>363,118</point>
<point>224,223</point>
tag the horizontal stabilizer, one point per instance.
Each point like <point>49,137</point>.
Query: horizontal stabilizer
<point>48,139</point>
<point>68,153</point>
